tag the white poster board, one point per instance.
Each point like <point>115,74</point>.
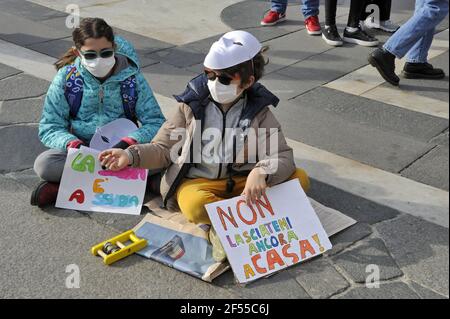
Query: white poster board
<point>86,186</point>
<point>280,230</point>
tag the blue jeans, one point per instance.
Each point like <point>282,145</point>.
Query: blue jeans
<point>415,36</point>
<point>309,8</point>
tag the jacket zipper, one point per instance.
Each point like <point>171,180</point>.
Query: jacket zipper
<point>224,122</point>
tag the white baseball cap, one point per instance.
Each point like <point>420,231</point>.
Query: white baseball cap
<point>232,49</point>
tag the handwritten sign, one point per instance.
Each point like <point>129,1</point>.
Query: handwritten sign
<point>279,230</point>
<point>86,186</point>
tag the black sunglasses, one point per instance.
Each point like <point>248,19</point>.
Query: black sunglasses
<point>104,53</point>
<point>223,78</point>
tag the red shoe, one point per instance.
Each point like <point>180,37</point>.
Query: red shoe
<point>313,26</point>
<point>273,18</point>
<point>44,194</point>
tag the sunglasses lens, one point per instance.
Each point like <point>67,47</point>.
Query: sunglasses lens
<point>106,53</point>
<point>225,80</point>
<point>90,55</point>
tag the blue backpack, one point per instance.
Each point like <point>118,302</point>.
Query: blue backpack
<point>73,92</point>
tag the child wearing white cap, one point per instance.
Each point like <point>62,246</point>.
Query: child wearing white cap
<point>226,107</point>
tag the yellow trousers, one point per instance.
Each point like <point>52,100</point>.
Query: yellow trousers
<point>194,194</point>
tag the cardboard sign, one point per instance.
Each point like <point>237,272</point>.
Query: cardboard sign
<point>86,186</point>
<point>279,230</point>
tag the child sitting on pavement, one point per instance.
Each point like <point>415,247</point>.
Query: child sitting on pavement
<point>87,93</point>
<point>226,97</point>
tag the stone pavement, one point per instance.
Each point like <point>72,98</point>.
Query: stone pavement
<point>378,154</point>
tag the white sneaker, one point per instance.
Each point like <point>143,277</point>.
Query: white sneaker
<point>387,25</point>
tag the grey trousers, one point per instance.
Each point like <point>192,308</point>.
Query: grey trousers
<point>49,165</point>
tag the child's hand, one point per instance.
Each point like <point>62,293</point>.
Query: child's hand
<point>114,159</point>
<point>255,186</point>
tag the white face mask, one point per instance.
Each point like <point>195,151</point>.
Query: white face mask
<point>222,93</point>
<point>99,67</point>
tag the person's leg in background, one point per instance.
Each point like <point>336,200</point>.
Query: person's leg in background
<point>310,11</point>
<point>354,33</point>
<point>276,14</point>
<point>415,37</point>
<point>383,21</point>
<point>48,166</point>
<point>330,33</point>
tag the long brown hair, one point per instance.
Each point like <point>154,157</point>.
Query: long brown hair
<point>89,28</point>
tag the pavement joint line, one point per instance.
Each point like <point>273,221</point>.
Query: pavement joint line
<point>419,158</point>
<point>338,163</point>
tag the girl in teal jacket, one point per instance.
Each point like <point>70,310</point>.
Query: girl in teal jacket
<point>106,69</point>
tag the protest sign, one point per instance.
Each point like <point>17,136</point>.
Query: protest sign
<point>86,186</point>
<point>281,229</point>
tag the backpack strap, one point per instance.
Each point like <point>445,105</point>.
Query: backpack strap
<point>73,89</point>
<point>128,92</point>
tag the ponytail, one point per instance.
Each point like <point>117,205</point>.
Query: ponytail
<point>66,59</point>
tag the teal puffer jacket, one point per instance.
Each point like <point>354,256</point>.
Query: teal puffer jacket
<point>57,128</point>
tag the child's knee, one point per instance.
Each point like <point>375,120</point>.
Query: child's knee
<point>49,166</point>
<point>192,205</point>
<point>303,178</point>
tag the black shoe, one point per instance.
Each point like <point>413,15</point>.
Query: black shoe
<point>422,71</point>
<point>384,61</point>
<point>331,36</point>
<point>44,194</point>
<point>360,37</point>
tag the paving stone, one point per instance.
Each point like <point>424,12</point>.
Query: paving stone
<point>166,79</point>
<point>376,147</point>
<point>328,66</point>
<point>57,48</point>
<point>53,48</point>
<point>279,286</point>
<point>245,14</point>
<point>425,293</point>
<point>21,111</point>
<point>179,57</point>
<point>319,278</point>
<point>420,248</point>
<point>441,139</point>
<point>396,290</point>
<point>13,158</point>
<point>38,245</point>
<point>196,68</point>
<point>22,86</point>
<point>30,10</point>
<point>359,208</point>
<point>6,71</point>
<point>431,169</point>
<point>370,252</point>
<point>26,177</point>
<point>292,48</point>
<point>374,114</point>
<point>24,32</point>
<point>285,87</point>
<point>348,237</point>
<point>119,222</point>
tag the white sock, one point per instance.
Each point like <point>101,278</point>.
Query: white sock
<point>350,29</point>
